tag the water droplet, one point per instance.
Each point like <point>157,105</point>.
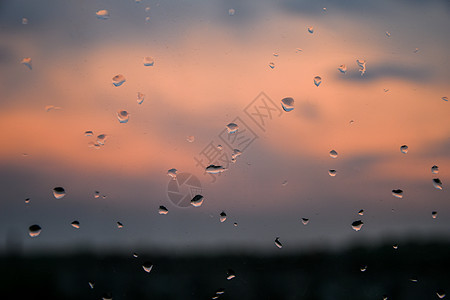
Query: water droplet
<point>51,107</point>
<point>232,128</point>
<point>147,266</point>
<point>147,19</point>
<point>437,183</point>
<point>397,193</point>
<point>388,34</point>
<point>284,183</point>
<point>135,255</point>
<point>311,29</point>
<point>272,65</point>
<point>440,293</point>
<point>96,194</point>
<point>91,284</point>
<point>107,296</point>
<point>235,224</point>
<point>236,153</point>
<point>363,268</point>
<point>278,243</point>
<point>213,169</point>
<point>287,104</point>
<point>123,116</point>
<point>298,49</point>
<point>27,62</point>
<point>118,80</point>
<point>333,154</point>
<point>219,147</point>
<point>223,217</point>
<point>395,246</point>
<point>163,210</point>
<point>172,173</point>
<point>101,139</point>
<point>147,9</point>
<point>230,274</point>
<point>362,66</point>
<point>190,138</point>
<point>332,173</point>
<point>88,133</point>
<point>305,221</point>
<point>93,145</point>
<point>231,12</point>
<point>197,201</point>
<point>435,169</point>
<point>24,21</point>
<point>352,122</point>
<point>342,69</point>
<point>75,224</point>
<point>413,279</point>
<point>34,230</point>
<point>385,297</point>
<point>119,225</point>
<point>140,98</point>
<point>220,291</point>
<point>102,14</point>
<point>324,9</point>
<point>404,149</point>
<point>27,200</point>
<point>434,214</point>
<point>149,61</point>
<point>357,225</point>
<point>416,50</point>
<point>59,192</point>
<point>317,80</point>
<point>443,98</point>
<point>361,212</point>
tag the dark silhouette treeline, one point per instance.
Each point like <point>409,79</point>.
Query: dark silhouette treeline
<point>413,271</point>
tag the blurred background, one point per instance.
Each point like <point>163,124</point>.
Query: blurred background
<point>102,98</point>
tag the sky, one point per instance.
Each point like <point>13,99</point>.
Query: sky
<point>213,67</point>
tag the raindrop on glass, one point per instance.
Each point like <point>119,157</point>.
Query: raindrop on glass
<point>236,153</point>
<point>34,230</point>
<point>219,147</point>
<point>135,255</point>
<point>59,192</point>
<point>278,243</point>
<point>231,12</point>
<point>118,80</point>
<point>235,224</point>
<point>27,62</point>
<point>220,291</point>
<point>284,183</point>
<point>404,149</point>
<point>230,274</point>
<point>172,173</point>
<point>140,98</point>
<point>147,19</point>
<point>93,145</point>
<point>232,128</point>
<point>437,183</point>
<point>413,279</point>
<point>416,50</point>
<point>101,139</point>
<point>434,214</point>
<point>272,65</point>
<point>388,34</point>
<point>190,138</point>
<point>91,284</point>
<point>305,221</point>
<point>357,225</point>
<point>342,69</point>
<point>107,296</point>
<point>361,212</point>
<point>385,297</point>
<point>362,66</point>
<point>149,61</point>
<point>75,224</point>
<point>317,80</point>
<point>434,169</point>
<point>275,54</point>
<point>395,246</point>
<point>333,154</point>
<point>102,14</point>
<point>311,29</point>
<point>223,217</point>
<point>96,194</point>
<point>24,21</point>
<point>363,268</point>
<point>147,9</point>
<point>440,293</point>
<point>123,116</point>
<point>197,201</point>
<point>119,225</point>
<point>147,266</point>
<point>163,210</point>
<point>443,98</point>
<point>332,173</point>
<point>287,104</point>
<point>213,169</point>
<point>88,133</point>
<point>27,200</point>
<point>397,193</point>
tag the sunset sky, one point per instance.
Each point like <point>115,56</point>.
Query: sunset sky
<point>210,65</point>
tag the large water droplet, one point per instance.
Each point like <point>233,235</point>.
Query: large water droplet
<point>437,183</point>
<point>75,224</point>
<point>311,29</point>
<point>147,266</point>
<point>223,217</point>
<point>27,62</point>
<point>34,230</point>
<point>434,214</point>
<point>163,210</point>
<point>361,212</point>
<point>59,192</point>
<point>149,61</point>
<point>362,66</point>
<point>332,173</point>
<point>102,14</point>
<point>357,225</point>
<point>397,193</point>
<point>272,65</point>
<point>287,104</point>
<point>342,69</point>
<point>231,12</point>
<point>232,128</point>
<point>440,293</point>
<point>317,80</point>
<point>101,139</point>
<point>333,154</point>
<point>172,173</point>
<point>118,80</point>
<point>123,116</point>
<point>119,225</point>
<point>230,274</point>
<point>404,149</point>
<point>197,201</point>
<point>91,284</point>
<point>305,221</point>
<point>278,243</point>
<point>213,169</point>
<point>140,98</point>
<point>435,169</point>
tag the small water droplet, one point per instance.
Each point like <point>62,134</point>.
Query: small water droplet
<point>27,62</point>
<point>278,243</point>
<point>118,80</point>
<point>333,154</point>
<point>232,128</point>
<point>362,66</point>
<point>236,153</point>
<point>135,255</point>
<point>305,221</point>
<point>24,21</point>
<point>437,183</point>
<point>342,69</point>
<point>311,29</point>
<point>404,149</point>
<point>272,65</point>
<point>163,210</point>
<point>385,297</point>
<point>284,183</point>
<point>27,200</point>
<point>88,133</point>
<point>230,274</point>
<point>287,104</point>
<point>275,54</point>
<point>223,217</point>
<point>147,266</point>
<point>147,9</point>
<point>317,80</point>
<point>434,214</point>
<point>413,279</point>
<point>91,284</point>
<point>388,34</point>
<point>219,147</point>
<point>119,225</point>
<point>101,139</point>
<point>102,14</point>
<point>51,107</point>
<point>395,246</point>
<point>149,61</point>
<point>397,193</point>
<point>190,138</point>
<point>363,268</point>
<point>332,173</point>
<point>298,50</point>
<point>357,225</point>
<point>107,296</point>
<point>220,291</point>
<point>75,224</point>
<point>440,293</point>
<point>352,122</point>
<point>361,212</point>
<point>147,19</point>
<point>435,169</point>
<point>140,98</point>
<point>197,201</point>
<point>34,230</point>
<point>416,50</point>
<point>96,194</point>
<point>172,173</point>
<point>93,145</point>
<point>213,169</point>
<point>324,9</point>
<point>123,116</point>
<point>231,12</point>
<point>443,98</point>
<point>59,192</point>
